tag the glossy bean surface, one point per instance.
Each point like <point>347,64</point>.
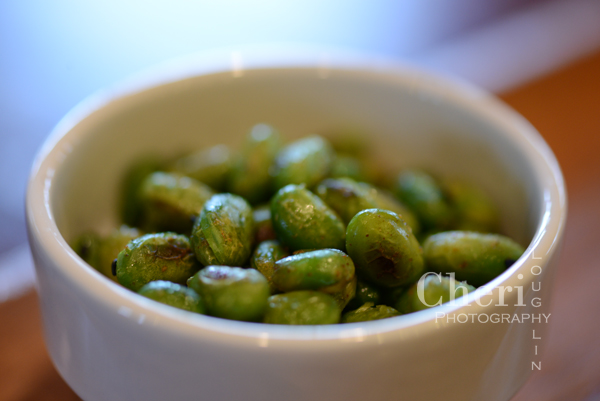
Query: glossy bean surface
<point>303,221</point>
<point>174,295</point>
<point>302,308</point>
<point>232,292</point>
<point>223,233</point>
<point>151,257</point>
<point>368,312</point>
<point>305,161</point>
<point>383,248</point>
<point>471,256</point>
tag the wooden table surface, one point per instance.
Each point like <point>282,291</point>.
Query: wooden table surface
<point>565,108</point>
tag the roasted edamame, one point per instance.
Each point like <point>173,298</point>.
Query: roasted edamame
<point>300,237</point>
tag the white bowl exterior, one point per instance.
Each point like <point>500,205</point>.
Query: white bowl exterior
<point>111,344</point>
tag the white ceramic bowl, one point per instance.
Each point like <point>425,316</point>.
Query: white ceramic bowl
<point>110,344</point>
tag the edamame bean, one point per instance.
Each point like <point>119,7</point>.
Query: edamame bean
<point>348,197</point>
<point>385,200</point>
<point>171,201</point>
<point>223,233</point>
<point>474,257</point>
<point>174,295</point>
<point>111,246</point>
<point>365,292</point>
<point>264,257</point>
<point>163,256</point>
<point>326,270</point>
<point>87,246</point>
<point>232,292</point>
<point>383,248</point>
<point>474,210</point>
<point>345,196</point>
<point>349,141</point>
<point>347,166</point>
<point>368,312</point>
<point>249,176</point>
<point>421,193</point>
<point>303,221</point>
<point>302,308</point>
<point>306,161</point>
<point>347,293</point>
<point>131,203</point>
<point>210,166</point>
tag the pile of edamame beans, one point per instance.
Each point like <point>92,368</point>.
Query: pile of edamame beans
<point>304,233</point>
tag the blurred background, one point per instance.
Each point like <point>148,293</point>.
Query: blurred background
<point>55,53</point>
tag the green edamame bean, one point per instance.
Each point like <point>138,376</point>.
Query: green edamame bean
<point>223,233</point>
<point>365,292</point>
<point>347,293</point>
<point>421,193</point>
<point>302,308</point>
<point>174,295</point>
<point>474,210</point>
<point>368,312</point>
<point>345,196</point>
<point>249,176</point>
<point>202,248</point>
<point>87,246</point>
<point>210,166</point>
<point>349,167</point>
<point>303,221</point>
<point>354,158</point>
<point>232,292</point>
<point>474,257</point>
<point>349,141</point>
<point>171,201</point>
<point>264,257</point>
<point>436,290</point>
<point>299,251</point>
<point>111,246</point>
<point>326,270</point>
<point>163,256</point>
<point>306,161</point>
<point>385,200</point>
<point>131,203</point>
<point>383,248</point>
<point>348,197</point>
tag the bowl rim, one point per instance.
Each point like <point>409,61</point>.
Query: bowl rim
<point>88,282</point>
